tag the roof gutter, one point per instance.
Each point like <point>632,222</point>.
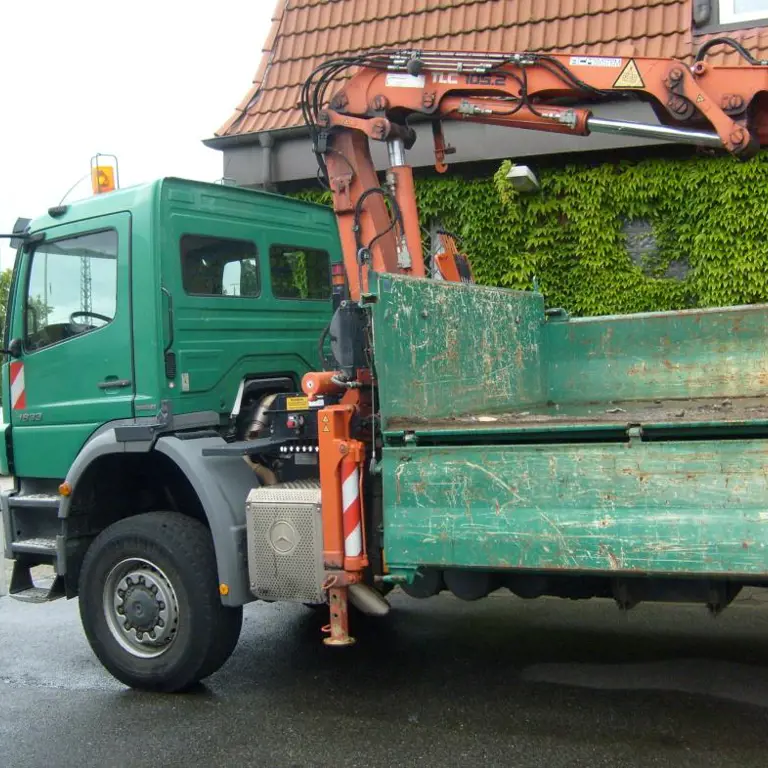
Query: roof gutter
<point>241,139</point>
<point>278,135</point>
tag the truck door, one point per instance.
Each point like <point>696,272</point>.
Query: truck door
<point>73,319</point>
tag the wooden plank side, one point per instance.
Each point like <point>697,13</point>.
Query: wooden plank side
<point>444,349</point>
<point>695,353</point>
<point>676,508</point>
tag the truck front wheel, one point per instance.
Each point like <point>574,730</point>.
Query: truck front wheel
<point>150,604</point>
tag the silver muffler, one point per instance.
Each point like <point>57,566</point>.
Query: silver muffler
<point>368,600</point>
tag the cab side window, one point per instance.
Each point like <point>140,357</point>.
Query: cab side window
<point>72,288</point>
<point>218,266</point>
<point>299,273</point>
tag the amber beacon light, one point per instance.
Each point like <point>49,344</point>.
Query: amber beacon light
<point>104,174</point>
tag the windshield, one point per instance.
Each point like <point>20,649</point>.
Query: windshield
<point>72,287</point>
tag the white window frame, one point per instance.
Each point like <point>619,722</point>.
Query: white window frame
<point>729,14</point>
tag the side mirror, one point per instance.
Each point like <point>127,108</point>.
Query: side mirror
<point>14,348</point>
<point>20,227</point>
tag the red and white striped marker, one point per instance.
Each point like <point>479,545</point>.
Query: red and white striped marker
<point>350,502</point>
<point>18,393</point>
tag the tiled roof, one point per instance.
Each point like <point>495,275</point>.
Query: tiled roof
<point>305,33</point>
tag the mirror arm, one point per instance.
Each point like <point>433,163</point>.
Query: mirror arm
<point>13,350</point>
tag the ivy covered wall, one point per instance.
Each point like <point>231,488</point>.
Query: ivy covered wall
<point>609,238</point>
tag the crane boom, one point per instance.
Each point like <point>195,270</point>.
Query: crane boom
<point>701,104</point>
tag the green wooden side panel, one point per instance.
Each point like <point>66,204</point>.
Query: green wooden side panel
<point>447,353</point>
<point>674,507</point>
<point>444,349</point>
<point>695,353</point>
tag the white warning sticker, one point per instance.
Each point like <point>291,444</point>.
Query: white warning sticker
<point>595,61</point>
<point>403,80</point>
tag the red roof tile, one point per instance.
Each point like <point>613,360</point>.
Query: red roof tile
<point>305,33</point>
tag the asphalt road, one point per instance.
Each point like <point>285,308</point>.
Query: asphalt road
<point>500,682</point>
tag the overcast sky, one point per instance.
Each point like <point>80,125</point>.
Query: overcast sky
<point>144,80</point>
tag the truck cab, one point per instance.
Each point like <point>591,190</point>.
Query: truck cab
<point>144,325</point>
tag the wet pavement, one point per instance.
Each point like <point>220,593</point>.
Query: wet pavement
<point>500,682</point>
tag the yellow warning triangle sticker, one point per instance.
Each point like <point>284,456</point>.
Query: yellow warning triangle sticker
<point>629,77</point>
<point>325,419</point>
<point>326,428</point>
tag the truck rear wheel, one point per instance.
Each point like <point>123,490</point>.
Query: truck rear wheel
<point>150,605</point>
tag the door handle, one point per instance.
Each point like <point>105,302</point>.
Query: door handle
<point>170,319</point>
<point>114,383</point>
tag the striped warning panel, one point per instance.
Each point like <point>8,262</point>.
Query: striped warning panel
<point>18,393</point>
<point>350,501</point>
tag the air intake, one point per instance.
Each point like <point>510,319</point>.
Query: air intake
<point>285,542</point>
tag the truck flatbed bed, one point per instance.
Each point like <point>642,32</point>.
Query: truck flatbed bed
<point>693,412</point>
<point>500,365</point>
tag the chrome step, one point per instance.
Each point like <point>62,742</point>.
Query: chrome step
<point>33,595</point>
<point>39,546</point>
<point>35,500</point>
<point>24,589</point>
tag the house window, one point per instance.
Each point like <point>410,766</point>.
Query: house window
<point>641,242</point>
<point>299,273</point>
<point>740,11</point>
<point>218,266</point>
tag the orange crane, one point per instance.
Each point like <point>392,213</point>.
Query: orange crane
<point>701,104</point>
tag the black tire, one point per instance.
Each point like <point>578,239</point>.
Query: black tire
<point>225,642</point>
<point>197,634</point>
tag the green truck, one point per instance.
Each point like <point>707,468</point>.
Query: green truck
<point>166,458</point>
<point>144,326</point>
<point>214,395</point>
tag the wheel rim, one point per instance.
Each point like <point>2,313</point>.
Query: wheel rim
<point>141,608</point>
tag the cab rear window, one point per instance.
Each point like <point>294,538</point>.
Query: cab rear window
<point>300,273</point>
<point>219,266</point>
